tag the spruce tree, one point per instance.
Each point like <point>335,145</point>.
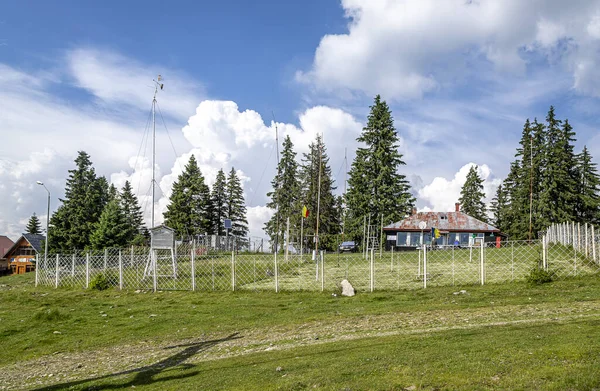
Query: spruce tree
<point>499,207</point>
<point>329,222</point>
<point>558,191</point>
<point>376,187</point>
<point>113,193</point>
<point>85,199</point>
<point>285,195</point>
<point>33,226</point>
<point>219,204</point>
<point>588,200</point>
<point>512,214</point>
<point>188,212</point>
<point>236,206</point>
<point>133,213</point>
<point>113,229</point>
<point>472,196</point>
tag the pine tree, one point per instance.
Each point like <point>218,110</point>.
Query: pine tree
<point>188,212</point>
<point>219,207</point>
<point>499,207</point>
<point>113,193</point>
<point>285,195</point>
<point>557,196</point>
<point>329,222</point>
<point>236,206</point>
<point>113,229</point>
<point>375,186</point>
<point>133,214</point>
<point>588,200</point>
<point>472,196</point>
<point>85,199</point>
<point>512,214</point>
<point>33,226</point>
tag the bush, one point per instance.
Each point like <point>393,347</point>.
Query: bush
<point>539,276</point>
<point>100,282</point>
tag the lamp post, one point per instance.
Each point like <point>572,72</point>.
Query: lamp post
<point>47,225</point>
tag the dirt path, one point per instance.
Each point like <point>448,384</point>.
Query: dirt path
<point>68,367</point>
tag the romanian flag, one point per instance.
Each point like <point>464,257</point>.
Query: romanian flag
<point>435,233</point>
<point>305,212</point>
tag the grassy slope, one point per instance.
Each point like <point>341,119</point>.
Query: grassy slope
<point>562,354</point>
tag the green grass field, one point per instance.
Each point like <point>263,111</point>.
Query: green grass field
<point>499,336</point>
<point>390,271</point>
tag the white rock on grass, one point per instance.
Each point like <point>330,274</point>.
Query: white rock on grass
<point>347,288</point>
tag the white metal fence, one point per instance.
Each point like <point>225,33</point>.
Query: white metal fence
<point>195,267</point>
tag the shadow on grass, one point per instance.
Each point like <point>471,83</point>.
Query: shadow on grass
<point>147,375</point>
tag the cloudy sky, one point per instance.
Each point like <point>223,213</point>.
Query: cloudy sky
<point>460,76</point>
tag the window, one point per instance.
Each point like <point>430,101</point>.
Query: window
<point>401,238</point>
<point>463,239</point>
<point>415,239</point>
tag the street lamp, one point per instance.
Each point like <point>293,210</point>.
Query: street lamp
<point>47,225</point>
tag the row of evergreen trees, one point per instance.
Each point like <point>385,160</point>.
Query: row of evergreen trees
<point>563,185</point>
<point>196,210</point>
<point>94,214</point>
<point>375,186</point>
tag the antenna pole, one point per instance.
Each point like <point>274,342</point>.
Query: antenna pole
<point>344,195</point>
<point>319,195</point>
<point>277,185</point>
<point>153,151</point>
<point>530,186</point>
<point>157,85</point>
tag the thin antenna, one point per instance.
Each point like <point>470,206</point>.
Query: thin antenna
<point>157,85</point>
<point>276,185</point>
<point>319,195</point>
<point>531,186</point>
<point>344,195</point>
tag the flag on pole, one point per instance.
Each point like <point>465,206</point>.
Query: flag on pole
<point>305,211</point>
<point>435,233</point>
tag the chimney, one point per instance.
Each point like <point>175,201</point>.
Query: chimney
<point>457,207</point>
<point>414,211</point>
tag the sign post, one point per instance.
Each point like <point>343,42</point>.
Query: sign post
<point>227,224</point>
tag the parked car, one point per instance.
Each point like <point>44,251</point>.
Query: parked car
<point>348,246</point>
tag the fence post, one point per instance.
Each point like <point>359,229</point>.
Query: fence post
<point>512,261</point>
<point>593,244</point>
<point>73,266</point>
<point>322,271</point>
<point>56,276</point>
<point>276,272</point>
<point>424,266</point>
<point>452,265</point>
<point>287,239</point>
<point>587,248</point>
<point>105,258</point>
<point>120,270</point>
<point>131,258</point>
<point>87,270</point>
<point>481,262</point>
<point>37,266</point>
<point>544,257</point>
<point>233,270</point>
<point>154,277</point>
<point>193,267</point>
<point>372,270</point>
<point>392,260</point>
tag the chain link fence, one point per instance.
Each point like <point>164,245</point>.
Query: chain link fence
<point>206,266</point>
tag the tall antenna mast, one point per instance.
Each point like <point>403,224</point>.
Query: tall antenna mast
<point>344,195</point>
<point>530,185</point>
<point>319,196</point>
<point>276,185</point>
<point>157,85</point>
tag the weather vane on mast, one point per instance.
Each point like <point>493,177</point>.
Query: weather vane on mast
<point>157,85</point>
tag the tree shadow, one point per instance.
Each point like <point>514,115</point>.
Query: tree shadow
<point>147,374</point>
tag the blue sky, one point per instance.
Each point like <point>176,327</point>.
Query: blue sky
<point>460,78</point>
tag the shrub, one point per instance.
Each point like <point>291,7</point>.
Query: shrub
<point>539,276</point>
<point>99,282</point>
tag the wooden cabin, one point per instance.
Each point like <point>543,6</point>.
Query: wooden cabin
<point>20,258</point>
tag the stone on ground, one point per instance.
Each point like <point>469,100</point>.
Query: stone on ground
<point>347,288</point>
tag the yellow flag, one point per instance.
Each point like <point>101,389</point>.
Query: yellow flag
<point>305,211</point>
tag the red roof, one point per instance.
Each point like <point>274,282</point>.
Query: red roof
<point>446,221</point>
<point>5,245</point>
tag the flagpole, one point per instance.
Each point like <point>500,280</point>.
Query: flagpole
<point>301,237</point>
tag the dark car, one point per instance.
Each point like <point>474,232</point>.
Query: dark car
<point>348,246</point>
